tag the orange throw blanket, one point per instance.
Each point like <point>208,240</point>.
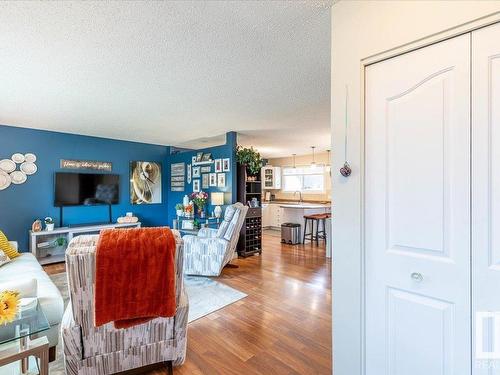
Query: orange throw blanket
<point>135,276</point>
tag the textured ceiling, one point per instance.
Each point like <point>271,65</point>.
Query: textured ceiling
<point>170,73</point>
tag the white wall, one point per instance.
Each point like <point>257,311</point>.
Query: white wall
<point>361,29</point>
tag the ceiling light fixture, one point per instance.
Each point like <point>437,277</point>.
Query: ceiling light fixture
<point>313,163</point>
<point>293,155</point>
<point>328,163</point>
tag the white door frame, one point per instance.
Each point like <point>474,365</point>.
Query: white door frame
<point>369,60</point>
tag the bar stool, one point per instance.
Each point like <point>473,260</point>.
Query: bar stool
<point>320,234</point>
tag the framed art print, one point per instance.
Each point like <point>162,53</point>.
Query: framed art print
<point>205,181</point>
<point>218,165</point>
<point>196,186</point>
<point>145,182</point>
<point>226,165</point>
<point>196,172</point>
<point>221,180</point>
<point>213,179</point>
<point>206,156</point>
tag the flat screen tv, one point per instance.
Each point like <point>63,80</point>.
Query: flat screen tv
<point>86,189</point>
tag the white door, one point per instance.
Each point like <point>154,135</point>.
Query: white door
<point>486,196</point>
<point>417,216</point>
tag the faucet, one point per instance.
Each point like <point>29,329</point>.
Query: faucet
<point>300,195</point>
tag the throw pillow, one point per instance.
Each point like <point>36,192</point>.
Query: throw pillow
<point>232,226</point>
<point>3,258</point>
<point>6,247</point>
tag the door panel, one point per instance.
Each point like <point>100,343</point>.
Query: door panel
<point>417,212</point>
<point>486,192</point>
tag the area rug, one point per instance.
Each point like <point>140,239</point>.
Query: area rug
<point>205,297</point>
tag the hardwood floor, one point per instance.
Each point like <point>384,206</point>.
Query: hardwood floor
<point>282,327</point>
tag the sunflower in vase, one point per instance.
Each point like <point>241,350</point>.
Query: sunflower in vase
<point>9,306</point>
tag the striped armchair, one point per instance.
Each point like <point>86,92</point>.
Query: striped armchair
<point>103,350</point>
<point>207,253</point>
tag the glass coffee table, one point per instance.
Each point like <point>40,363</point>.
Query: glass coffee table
<point>16,344</point>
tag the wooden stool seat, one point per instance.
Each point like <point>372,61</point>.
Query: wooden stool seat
<point>320,234</point>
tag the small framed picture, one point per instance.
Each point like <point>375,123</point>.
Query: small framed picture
<point>207,156</point>
<point>206,169</point>
<point>218,165</point>
<point>196,186</point>
<point>205,181</point>
<point>196,172</point>
<point>189,173</point>
<point>226,165</point>
<point>193,159</point>
<point>199,155</point>
<point>221,180</point>
<point>213,179</point>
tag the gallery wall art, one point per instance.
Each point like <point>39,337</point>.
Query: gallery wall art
<point>9,174</point>
<point>145,182</point>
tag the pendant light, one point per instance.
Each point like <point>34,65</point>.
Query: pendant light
<point>313,163</point>
<point>293,156</point>
<point>328,163</point>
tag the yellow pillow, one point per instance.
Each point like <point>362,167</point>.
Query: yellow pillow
<point>6,247</point>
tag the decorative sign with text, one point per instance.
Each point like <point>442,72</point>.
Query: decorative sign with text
<point>87,164</point>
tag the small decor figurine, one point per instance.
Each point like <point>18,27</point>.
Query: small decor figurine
<point>346,170</point>
<point>200,199</point>
<point>9,305</point>
<point>37,225</point>
<point>188,210</point>
<point>49,223</point>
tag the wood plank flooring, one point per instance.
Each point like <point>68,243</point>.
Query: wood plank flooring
<point>282,327</point>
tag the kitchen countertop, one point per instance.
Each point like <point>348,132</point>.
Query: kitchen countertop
<point>304,206</point>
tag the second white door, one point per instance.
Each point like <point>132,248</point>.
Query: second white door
<point>417,212</point>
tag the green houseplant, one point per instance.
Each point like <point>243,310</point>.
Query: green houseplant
<point>250,158</point>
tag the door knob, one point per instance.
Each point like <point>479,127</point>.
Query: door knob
<point>416,276</point>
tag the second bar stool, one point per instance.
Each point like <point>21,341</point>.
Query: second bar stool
<point>320,234</point>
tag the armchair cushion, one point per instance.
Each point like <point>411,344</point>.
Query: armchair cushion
<point>228,215</point>
<point>207,232</point>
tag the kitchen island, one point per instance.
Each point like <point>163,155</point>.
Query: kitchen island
<point>275,213</point>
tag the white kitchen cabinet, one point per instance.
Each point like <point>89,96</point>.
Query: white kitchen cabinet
<point>274,216</point>
<point>266,215</point>
<point>271,178</point>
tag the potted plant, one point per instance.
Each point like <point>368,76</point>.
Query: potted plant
<point>200,199</point>
<point>49,223</point>
<point>250,158</point>
<point>179,209</point>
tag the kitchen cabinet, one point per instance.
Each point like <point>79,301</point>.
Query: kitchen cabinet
<point>271,177</point>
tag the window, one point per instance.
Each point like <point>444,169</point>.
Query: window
<point>307,179</point>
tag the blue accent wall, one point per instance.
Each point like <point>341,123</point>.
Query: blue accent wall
<point>21,204</point>
<point>228,150</point>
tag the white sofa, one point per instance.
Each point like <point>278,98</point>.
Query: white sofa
<point>26,267</point>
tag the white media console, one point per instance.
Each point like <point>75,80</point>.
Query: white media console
<point>50,246</point>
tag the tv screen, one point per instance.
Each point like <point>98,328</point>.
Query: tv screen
<point>77,189</point>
